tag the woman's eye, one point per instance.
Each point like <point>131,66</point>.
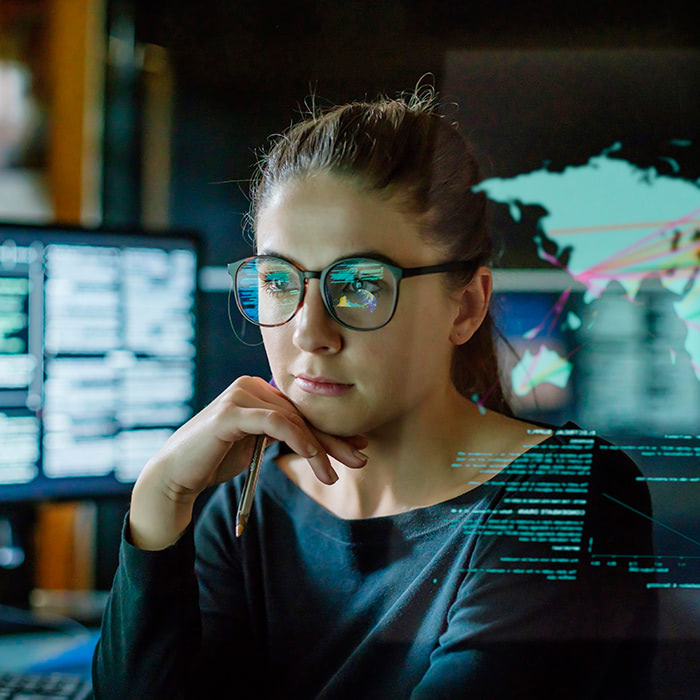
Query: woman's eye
<point>364,285</point>
<point>275,285</point>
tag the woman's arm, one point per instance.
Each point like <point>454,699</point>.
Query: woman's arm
<point>152,645</point>
<point>150,636</point>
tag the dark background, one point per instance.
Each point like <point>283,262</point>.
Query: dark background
<point>244,70</point>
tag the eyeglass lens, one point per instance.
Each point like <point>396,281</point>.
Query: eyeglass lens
<point>360,292</point>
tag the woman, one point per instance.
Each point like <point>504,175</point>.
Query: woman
<point>426,567</point>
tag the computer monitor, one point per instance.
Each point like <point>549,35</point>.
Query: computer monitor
<point>98,351</point>
<point>611,363</point>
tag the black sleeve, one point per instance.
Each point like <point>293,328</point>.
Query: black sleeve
<point>232,645</point>
<point>150,628</point>
<point>157,640</point>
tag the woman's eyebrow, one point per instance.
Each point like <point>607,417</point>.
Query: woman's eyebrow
<point>374,254</point>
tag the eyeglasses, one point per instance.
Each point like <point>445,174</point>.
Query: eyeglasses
<point>359,293</point>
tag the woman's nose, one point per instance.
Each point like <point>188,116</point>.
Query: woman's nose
<point>314,325</point>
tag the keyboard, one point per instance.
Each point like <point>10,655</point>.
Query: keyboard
<point>48,686</point>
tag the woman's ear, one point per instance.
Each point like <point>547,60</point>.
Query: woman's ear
<point>473,306</point>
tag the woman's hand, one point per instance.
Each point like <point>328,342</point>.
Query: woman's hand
<point>216,445</point>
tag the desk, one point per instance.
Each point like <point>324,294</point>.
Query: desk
<point>46,652</point>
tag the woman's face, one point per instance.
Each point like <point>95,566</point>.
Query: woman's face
<point>396,370</point>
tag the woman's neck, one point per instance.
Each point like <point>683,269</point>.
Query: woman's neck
<point>411,466</point>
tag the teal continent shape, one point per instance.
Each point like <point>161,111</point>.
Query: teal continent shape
<point>621,223</point>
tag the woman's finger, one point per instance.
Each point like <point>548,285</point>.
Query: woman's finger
<point>342,449</point>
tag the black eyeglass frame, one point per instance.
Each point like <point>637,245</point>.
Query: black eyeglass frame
<point>399,273</point>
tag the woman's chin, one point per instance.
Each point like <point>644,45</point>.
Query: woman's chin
<point>341,424</point>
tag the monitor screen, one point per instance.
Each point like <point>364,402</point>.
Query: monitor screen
<point>607,363</point>
<point>98,344</point>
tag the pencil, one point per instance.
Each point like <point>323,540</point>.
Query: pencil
<point>251,481</point>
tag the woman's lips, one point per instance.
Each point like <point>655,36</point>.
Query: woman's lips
<point>322,388</point>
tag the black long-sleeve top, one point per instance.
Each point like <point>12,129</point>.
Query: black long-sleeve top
<point>497,593</point>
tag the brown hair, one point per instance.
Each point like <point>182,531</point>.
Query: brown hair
<point>402,149</point>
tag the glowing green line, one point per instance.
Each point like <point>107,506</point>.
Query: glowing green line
<point>644,515</point>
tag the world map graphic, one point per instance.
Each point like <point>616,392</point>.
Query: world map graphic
<point>611,221</point>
